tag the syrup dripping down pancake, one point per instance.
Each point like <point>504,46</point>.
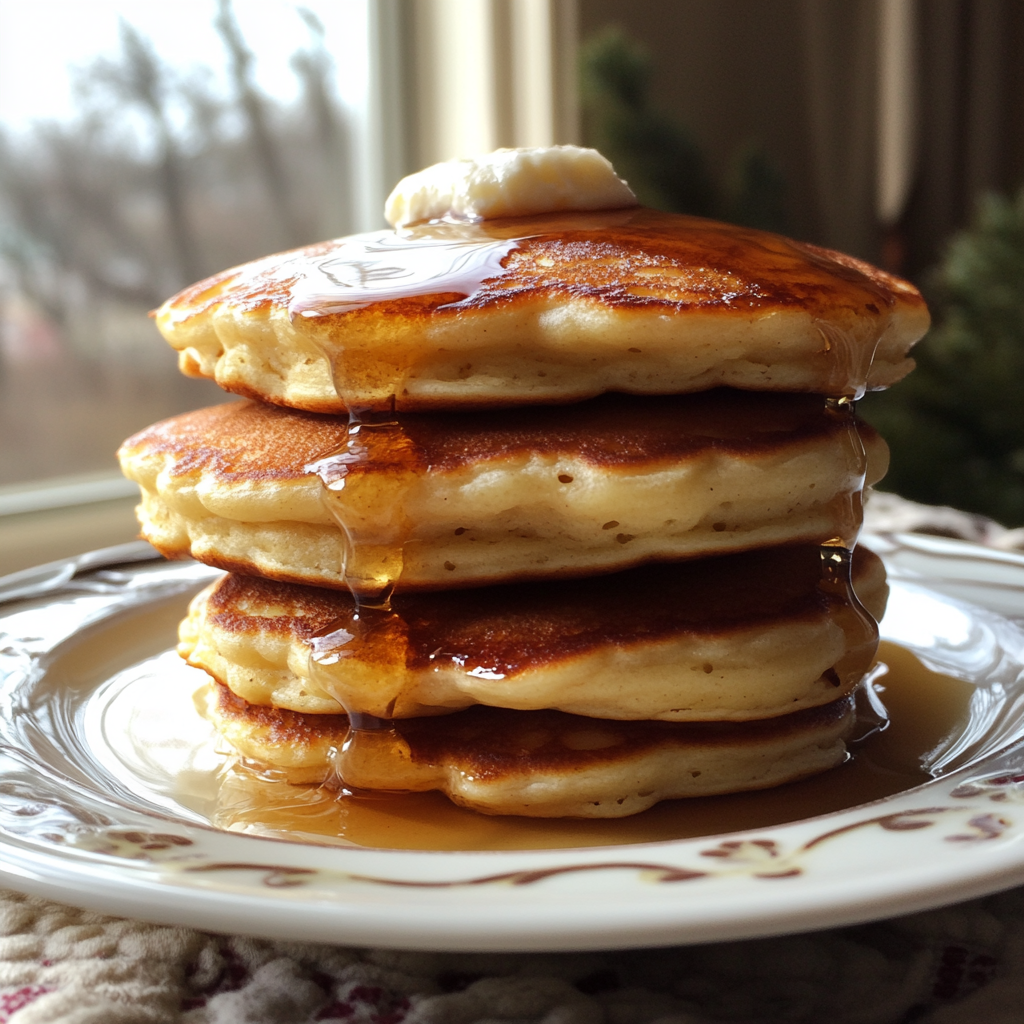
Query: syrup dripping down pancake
<point>538,763</point>
<point>545,309</point>
<point>735,638</point>
<point>453,500</point>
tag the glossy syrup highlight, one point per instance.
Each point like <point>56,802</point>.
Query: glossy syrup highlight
<point>385,650</point>
<point>843,411</point>
<point>384,266</point>
<point>622,260</point>
<point>857,624</point>
<point>850,360</point>
<point>417,265</point>
<point>373,637</point>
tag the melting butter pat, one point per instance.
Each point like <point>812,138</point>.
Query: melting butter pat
<point>509,183</point>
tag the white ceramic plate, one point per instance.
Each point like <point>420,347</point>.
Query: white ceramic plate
<point>121,827</point>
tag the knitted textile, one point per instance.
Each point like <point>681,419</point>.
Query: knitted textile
<point>959,965</point>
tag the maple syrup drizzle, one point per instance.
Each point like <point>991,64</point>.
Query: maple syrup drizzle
<point>374,634</point>
<point>374,638</point>
<point>843,410</point>
<point>458,259</point>
<point>850,361</point>
<point>382,266</point>
<point>374,543</point>
<point>924,708</point>
<point>859,627</point>
<point>457,262</point>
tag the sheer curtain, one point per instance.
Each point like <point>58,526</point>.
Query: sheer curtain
<point>886,117</point>
<point>971,116</point>
<point>456,78</point>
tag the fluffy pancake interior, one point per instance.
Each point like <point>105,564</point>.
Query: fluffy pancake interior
<point>735,638</point>
<point>470,499</point>
<point>539,763</point>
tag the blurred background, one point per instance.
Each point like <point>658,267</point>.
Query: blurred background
<point>145,145</point>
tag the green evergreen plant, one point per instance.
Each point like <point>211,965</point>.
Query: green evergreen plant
<point>956,424</point>
<point>657,156</point>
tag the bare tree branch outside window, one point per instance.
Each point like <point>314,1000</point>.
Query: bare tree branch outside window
<point>160,180</point>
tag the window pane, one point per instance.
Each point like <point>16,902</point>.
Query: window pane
<point>144,147</point>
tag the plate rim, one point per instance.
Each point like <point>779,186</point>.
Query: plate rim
<point>142,889</point>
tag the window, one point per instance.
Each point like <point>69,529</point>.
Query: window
<point>198,135</point>
<point>146,146</point>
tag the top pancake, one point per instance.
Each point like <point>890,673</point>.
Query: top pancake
<point>545,309</point>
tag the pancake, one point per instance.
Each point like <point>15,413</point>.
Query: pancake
<point>554,308</point>
<point>450,500</point>
<point>536,763</point>
<point>735,638</point>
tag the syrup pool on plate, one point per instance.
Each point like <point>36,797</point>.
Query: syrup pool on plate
<point>162,753</point>
<point>924,708</point>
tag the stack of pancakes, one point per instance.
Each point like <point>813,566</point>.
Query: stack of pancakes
<point>553,514</point>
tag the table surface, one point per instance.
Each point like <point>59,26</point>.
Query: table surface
<point>33,538</point>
